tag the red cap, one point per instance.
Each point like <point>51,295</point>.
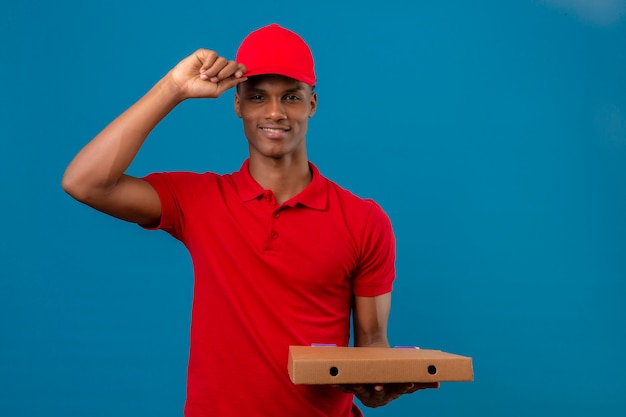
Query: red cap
<point>276,50</point>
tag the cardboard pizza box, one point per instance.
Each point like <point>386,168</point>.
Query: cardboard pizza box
<point>369,365</point>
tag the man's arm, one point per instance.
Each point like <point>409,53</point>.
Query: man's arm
<point>96,175</point>
<point>371,316</point>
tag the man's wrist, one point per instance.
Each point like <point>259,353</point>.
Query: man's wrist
<point>171,90</point>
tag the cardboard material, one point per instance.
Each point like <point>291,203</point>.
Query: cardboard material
<point>363,365</point>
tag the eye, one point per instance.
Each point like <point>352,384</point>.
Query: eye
<point>292,97</point>
<point>256,97</point>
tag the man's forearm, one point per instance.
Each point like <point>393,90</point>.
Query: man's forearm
<point>101,163</point>
<point>370,318</point>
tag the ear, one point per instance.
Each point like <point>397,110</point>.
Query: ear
<point>313,103</point>
<point>237,105</point>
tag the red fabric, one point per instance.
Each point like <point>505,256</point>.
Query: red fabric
<point>266,277</point>
<point>273,49</point>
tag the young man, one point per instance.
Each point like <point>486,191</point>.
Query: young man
<point>282,256</point>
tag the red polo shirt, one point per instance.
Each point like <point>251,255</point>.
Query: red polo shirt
<point>268,276</point>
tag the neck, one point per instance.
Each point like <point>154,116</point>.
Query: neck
<point>285,177</point>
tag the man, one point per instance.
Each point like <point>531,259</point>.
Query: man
<point>281,255</point>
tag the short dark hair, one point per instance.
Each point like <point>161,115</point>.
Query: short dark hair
<point>278,75</point>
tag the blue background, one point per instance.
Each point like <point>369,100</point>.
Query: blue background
<point>492,132</point>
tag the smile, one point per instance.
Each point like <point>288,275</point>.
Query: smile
<point>272,130</point>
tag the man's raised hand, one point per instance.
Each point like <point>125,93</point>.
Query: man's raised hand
<point>205,74</point>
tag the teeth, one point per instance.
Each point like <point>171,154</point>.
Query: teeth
<point>272,130</point>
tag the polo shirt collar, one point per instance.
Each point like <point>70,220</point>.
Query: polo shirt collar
<point>313,196</point>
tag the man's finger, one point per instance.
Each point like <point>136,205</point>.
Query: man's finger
<point>230,69</point>
<point>207,58</point>
<point>422,385</point>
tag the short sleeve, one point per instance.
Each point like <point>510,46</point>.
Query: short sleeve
<point>170,188</point>
<point>376,270</point>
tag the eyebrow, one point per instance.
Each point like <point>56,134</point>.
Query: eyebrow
<point>254,89</point>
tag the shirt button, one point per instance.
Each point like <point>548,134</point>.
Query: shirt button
<point>268,198</point>
<point>276,215</point>
<point>274,235</point>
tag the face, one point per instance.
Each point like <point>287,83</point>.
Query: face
<point>275,111</point>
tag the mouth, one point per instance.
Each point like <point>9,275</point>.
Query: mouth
<point>272,129</point>
<point>273,132</point>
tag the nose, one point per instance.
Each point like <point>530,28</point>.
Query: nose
<point>275,109</point>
